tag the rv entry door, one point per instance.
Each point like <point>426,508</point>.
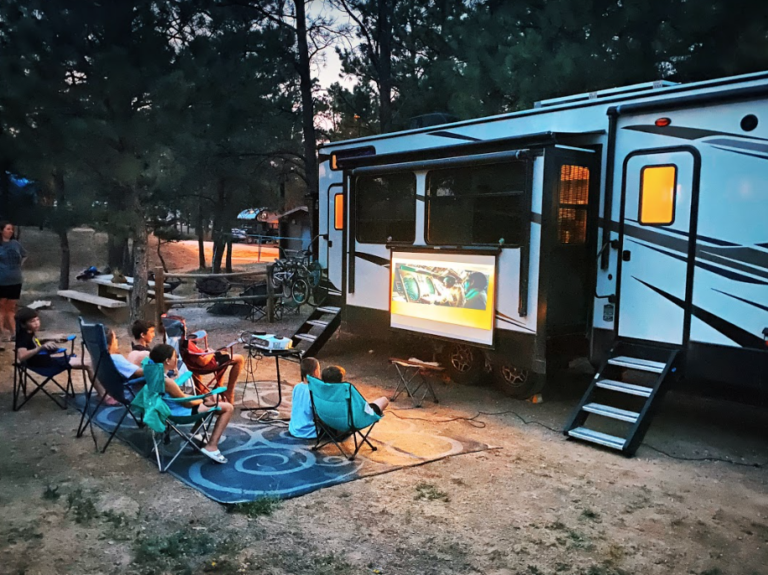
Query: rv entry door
<point>659,191</point>
<point>336,236</point>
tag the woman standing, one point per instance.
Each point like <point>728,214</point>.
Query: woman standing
<point>12,256</point>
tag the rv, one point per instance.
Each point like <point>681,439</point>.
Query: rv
<point>627,225</point>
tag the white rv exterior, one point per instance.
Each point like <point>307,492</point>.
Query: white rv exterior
<point>684,266</point>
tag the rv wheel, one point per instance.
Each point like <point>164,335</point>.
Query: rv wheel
<point>517,382</point>
<point>463,363</point>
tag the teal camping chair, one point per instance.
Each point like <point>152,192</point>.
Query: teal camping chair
<point>340,411</point>
<point>163,414</point>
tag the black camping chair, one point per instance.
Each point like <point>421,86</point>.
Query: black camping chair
<point>212,286</point>
<point>30,379</point>
<point>257,301</point>
<point>117,386</point>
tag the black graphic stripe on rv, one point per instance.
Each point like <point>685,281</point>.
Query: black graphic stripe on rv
<point>445,134</point>
<point>505,318</point>
<point>733,332</point>
<point>731,275</point>
<point>752,303</point>
<point>737,258</point>
<point>378,260</point>
<point>741,153</point>
<point>716,241</point>
<point>686,133</point>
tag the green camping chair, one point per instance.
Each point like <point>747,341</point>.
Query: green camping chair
<point>340,411</point>
<point>163,414</point>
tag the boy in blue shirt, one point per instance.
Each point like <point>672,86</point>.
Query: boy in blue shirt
<point>302,423</point>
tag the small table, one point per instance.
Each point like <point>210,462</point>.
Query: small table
<point>407,371</point>
<point>254,352</point>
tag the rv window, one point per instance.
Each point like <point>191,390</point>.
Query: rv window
<point>338,212</point>
<point>573,194</point>
<point>477,205</point>
<point>657,195</point>
<point>385,208</point>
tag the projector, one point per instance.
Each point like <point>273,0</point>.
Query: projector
<point>270,342</point>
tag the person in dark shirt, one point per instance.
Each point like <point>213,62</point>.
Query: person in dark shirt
<point>30,348</point>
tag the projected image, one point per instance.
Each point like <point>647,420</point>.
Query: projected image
<point>455,286</point>
<point>445,294</point>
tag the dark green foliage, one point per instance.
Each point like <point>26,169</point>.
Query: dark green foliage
<point>51,493</point>
<point>261,507</point>
<point>82,507</point>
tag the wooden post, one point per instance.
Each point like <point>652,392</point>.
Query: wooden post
<point>270,295</point>
<point>159,300</point>
<point>259,240</point>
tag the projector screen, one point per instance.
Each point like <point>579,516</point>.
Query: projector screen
<point>448,295</point>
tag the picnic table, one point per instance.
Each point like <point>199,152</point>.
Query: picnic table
<point>112,298</point>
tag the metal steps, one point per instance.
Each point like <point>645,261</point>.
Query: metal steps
<point>597,437</point>
<point>637,363</point>
<point>621,387</point>
<point>317,329</point>
<point>624,394</point>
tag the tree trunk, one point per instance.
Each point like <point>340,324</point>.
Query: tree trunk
<point>140,262</point>
<point>385,64</point>
<point>5,190</point>
<point>307,111</point>
<point>60,225</point>
<point>229,256</point>
<point>117,247</point>
<point>160,256</point>
<point>200,229</point>
<point>65,260</point>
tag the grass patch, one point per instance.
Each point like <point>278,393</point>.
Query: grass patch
<point>430,493</point>
<point>23,535</point>
<point>51,493</point>
<point>713,571</point>
<point>559,525</point>
<point>303,562</point>
<point>185,552</point>
<point>579,541</point>
<point>261,507</point>
<point>82,507</point>
<point>590,515</point>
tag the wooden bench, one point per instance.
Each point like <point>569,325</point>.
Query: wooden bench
<point>114,309</point>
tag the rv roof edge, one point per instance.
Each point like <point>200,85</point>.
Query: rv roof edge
<point>618,97</point>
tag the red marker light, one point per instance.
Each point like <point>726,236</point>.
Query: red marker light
<point>663,122</point>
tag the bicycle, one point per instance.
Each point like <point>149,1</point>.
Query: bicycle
<point>300,277</point>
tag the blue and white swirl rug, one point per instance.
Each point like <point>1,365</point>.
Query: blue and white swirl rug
<point>265,460</point>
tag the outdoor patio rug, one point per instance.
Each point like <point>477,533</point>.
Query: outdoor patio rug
<point>265,460</point>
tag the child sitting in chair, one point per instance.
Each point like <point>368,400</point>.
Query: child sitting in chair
<point>29,346</point>
<point>302,423</point>
<point>337,374</point>
<point>165,354</point>
<point>143,333</point>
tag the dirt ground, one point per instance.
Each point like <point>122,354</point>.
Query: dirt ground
<point>538,505</point>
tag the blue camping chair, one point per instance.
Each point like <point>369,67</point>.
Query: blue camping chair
<point>30,379</point>
<point>163,414</point>
<point>117,386</point>
<point>340,411</point>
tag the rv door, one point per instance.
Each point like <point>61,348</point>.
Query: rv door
<point>660,189</point>
<point>337,219</point>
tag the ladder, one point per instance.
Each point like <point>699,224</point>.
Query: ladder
<point>318,328</point>
<point>624,395</point>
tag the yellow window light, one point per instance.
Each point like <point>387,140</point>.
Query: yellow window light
<point>657,195</point>
<point>338,211</point>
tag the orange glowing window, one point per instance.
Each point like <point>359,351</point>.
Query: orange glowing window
<point>657,195</point>
<point>574,204</point>
<point>338,212</point>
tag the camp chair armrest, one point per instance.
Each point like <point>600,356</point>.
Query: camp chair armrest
<point>216,391</point>
<point>136,381</point>
<point>230,345</point>
<point>201,353</point>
